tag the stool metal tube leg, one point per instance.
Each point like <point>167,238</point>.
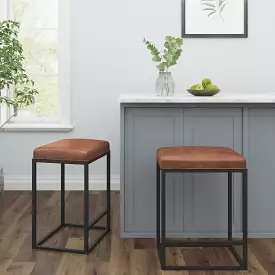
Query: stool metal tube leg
<point>108,197</point>
<point>245,220</point>
<point>163,219</point>
<point>34,205</point>
<point>86,208</point>
<point>230,174</point>
<point>62,194</point>
<point>158,206</point>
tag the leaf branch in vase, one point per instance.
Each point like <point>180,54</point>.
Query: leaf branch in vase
<point>214,7</point>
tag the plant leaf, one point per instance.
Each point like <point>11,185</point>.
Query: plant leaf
<point>161,67</point>
<point>222,7</point>
<point>209,4</point>
<point>156,58</point>
<point>211,13</point>
<point>209,9</point>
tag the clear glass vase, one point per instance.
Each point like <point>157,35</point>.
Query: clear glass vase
<point>165,84</point>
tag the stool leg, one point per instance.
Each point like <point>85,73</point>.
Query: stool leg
<point>230,206</point>
<point>62,194</point>
<point>86,208</point>
<point>34,198</point>
<point>108,198</point>
<point>158,206</point>
<point>163,220</point>
<point>245,220</point>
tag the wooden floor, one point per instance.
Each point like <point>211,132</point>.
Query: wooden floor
<point>113,255</point>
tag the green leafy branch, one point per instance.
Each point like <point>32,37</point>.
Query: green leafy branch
<point>169,56</point>
<point>12,72</point>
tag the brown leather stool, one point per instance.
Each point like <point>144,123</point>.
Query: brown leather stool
<point>72,151</point>
<point>201,159</point>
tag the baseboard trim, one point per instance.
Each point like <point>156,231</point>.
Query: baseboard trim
<point>73,182</point>
<point>179,235</point>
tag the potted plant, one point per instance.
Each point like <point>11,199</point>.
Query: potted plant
<point>12,73</point>
<point>165,84</point>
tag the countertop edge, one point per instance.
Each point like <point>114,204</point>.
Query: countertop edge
<point>260,99</point>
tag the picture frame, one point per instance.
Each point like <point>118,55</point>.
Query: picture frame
<point>214,18</point>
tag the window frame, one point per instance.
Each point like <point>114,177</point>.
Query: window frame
<point>63,121</point>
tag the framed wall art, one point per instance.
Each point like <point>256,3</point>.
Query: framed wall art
<point>215,18</point>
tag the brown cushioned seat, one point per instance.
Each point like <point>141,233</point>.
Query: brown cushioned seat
<point>72,150</point>
<point>199,157</point>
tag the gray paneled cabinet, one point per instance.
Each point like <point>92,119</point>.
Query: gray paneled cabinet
<point>145,131</point>
<point>206,194</point>
<point>196,203</point>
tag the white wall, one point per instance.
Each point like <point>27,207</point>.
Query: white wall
<point>109,59</point>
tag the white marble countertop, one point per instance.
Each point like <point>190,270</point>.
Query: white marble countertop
<point>220,98</point>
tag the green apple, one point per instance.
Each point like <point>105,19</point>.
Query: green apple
<point>206,82</point>
<point>194,87</point>
<point>199,87</point>
<point>211,87</point>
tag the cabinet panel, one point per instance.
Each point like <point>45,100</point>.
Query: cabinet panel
<point>206,194</point>
<point>259,149</point>
<point>147,129</point>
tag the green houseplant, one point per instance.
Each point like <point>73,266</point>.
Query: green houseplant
<point>165,60</point>
<point>12,72</point>
<point>13,75</point>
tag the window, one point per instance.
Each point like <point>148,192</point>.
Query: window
<point>44,35</point>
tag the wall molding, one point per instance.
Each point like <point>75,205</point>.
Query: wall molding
<point>256,235</point>
<point>52,182</point>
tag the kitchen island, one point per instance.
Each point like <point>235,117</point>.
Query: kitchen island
<point>197,203</point>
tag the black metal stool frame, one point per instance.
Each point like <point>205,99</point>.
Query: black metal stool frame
<point>39,244</point>
<point>162,241</point>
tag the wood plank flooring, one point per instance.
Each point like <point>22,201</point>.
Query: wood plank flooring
<point>114,256</point>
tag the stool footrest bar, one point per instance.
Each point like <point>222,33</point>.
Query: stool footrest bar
<point>56,249</point>
<point>177,268</point>
<point>98,219</point>
<point>92,226</point>
<point>99,228</point>
<point>73,225</point>
<point>49,235</point>
<point>82,226</point>
<point>174,243</point>
<point>98,240</point>
<point>236,255</point>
